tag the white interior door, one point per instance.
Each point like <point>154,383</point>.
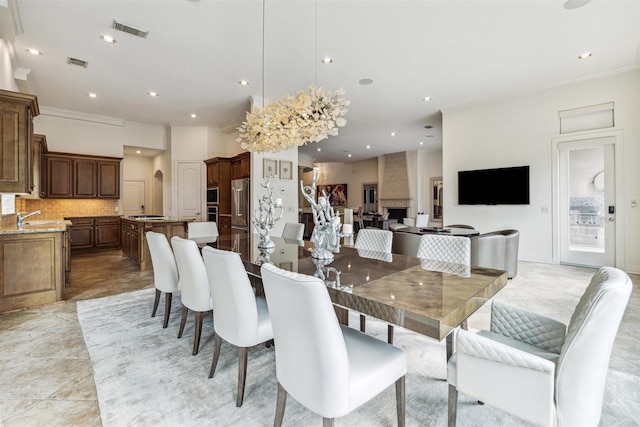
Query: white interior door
<point>134,196</point>
<point>190,189</point>
<point>587,202</point>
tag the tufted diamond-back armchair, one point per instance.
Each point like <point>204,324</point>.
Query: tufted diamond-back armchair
<point>528,366</point>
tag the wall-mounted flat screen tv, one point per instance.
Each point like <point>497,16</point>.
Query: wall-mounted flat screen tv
<point>503,186</point>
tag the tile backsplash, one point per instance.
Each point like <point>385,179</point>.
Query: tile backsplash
<point>61,208</point>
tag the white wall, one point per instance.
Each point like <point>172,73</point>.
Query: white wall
<point>519,131</point>
<point>140,168</point>
<point>354,174</point>
<point>71,135</point>
<point>7,82</point>
<point>422,165</point>
<point>285,189</point>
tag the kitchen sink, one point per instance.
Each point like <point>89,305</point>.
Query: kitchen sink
<point>44,222</point>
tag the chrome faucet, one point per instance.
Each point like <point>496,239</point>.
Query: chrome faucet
<point>21,218</point>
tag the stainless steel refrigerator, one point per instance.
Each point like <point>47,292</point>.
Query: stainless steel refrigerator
<point>240,205</point>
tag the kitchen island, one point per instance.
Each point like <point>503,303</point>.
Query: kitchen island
<point>134,241</point>
<point>34,262</point>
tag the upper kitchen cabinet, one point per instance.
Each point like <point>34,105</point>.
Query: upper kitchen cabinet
<point>17,111</point>
<point>241,166</point>
<point>71,176</point>
<point>218,172</point>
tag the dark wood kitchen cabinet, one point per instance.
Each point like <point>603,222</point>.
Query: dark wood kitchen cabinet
<point>219,176</point>
<point>241,166</point>
<point>91,233</point>
<point>72,176</point>
<point>17,111</point>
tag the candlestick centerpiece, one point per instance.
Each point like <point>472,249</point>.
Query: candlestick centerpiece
<point>265,216</point>
<point>326,232</point>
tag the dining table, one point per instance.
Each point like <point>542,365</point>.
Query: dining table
<point>431,298</point>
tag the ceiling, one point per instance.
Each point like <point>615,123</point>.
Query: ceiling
<point>456,52</point>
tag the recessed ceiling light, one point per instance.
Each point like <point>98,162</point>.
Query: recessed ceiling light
<point>349,155</point>
<point>327,60</point>
<point>138,152</point>
<point>368,146</point>
<point>92,95</point>
<point>426,98</point>
<point>421,143</point>
<point>243,83</point>
<point>393,134</point>
<point>319,149</point>
<point>108,39</point>
<point>584,55</point>
<point>365,81</point>
<point>193,115</point>
<point>34,51</point>
<point>153,94</point>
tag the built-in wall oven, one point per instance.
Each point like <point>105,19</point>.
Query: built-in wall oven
<point>212,195</point>
<point>212,213</point>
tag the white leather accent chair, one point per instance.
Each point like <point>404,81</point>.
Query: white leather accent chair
<point>488,250</point>
<point>374,240</point>
<point>528,366</point>
<point>193,284</point>
<point>422,220</point>
<point>294,231</point>
<point>448,249</point>
<point>202,232</point>
<point>239,317</point>
<point>327,367</point>
<point>165,272</point>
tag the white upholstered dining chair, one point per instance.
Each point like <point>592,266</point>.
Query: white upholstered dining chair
<point>453,250</point>
<point>203,231</point>
<point>293,230</point>
<point>194,285</point>
<point>329,368</point>
<point>165,272</point>
<point>239,317</point>
<point>374,240</point>
<point>537,368</point>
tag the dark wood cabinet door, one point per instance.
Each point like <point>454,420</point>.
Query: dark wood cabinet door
<point>82,237</point>
<point>109,179</point>
<point>107,232</point>
<point>107,236</point>
<point>16,141</point>
<point>84,182</point>
<point>245,166</point>
<point>59,172</point>
<point>213,174</point>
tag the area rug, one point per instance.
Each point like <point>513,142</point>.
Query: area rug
<point>145,375</point>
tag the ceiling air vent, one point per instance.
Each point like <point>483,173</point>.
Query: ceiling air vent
<point>129,29</point>
<point>78,62</point>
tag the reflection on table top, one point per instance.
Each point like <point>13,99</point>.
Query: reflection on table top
<point>397,289</point>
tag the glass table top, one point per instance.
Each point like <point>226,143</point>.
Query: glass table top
<point>428,297</point>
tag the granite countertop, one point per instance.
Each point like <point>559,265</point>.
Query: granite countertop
<point>92,216</point>
<point>37,226</point>
<point>160,219</point>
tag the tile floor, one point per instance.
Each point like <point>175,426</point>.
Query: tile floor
<point>45,370</point>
